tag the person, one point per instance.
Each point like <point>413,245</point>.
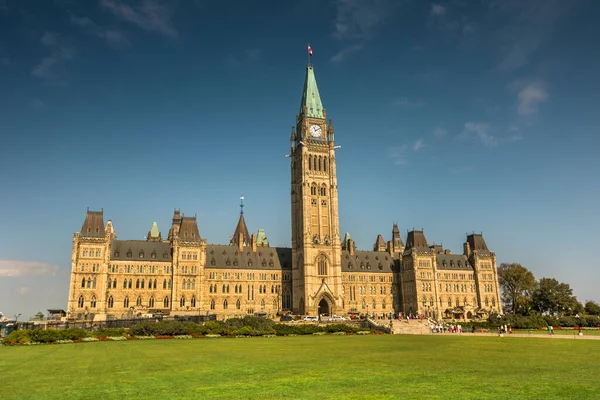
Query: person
<point>473,329</point>
<point>549,329</point>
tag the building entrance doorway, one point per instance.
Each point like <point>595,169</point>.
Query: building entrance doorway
<point>324,307</point>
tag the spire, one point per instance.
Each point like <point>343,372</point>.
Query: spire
<point>310,96</point>
<point>154,234</point>
<point>241,230</point>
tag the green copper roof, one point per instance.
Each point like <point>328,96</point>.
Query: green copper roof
<point>261,238</point>
<point>154,230</point>
<point>347,237</point>
<point>310,96</point>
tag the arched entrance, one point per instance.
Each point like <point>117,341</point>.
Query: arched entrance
<point>324,307</point>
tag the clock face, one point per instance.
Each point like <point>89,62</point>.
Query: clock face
<point>315,131</point>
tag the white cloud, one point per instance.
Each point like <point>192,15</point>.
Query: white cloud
<point>16,268</point>
<point>38,103</point>
<point>398,155</point>
<point>342,54</point>
<point>438,9</point>
<point>150,15</point>
<point>114,38</point>
<point>418,145</point>
<point>479,131</point>
<point>529,98</point>
<point>60,53</point>
<point>23,290</point>
<point>404,102</point>
<point>439,132</point>
<point>530,24</point>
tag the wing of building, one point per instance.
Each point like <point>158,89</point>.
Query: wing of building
<point>320,274</point>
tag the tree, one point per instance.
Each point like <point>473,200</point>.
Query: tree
<point>554,297</point>
<point>592,308</point>
<point>517,284</point>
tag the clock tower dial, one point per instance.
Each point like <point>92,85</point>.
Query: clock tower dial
<point>315,131</point>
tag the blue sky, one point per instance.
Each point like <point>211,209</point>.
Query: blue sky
<point>453,116</point>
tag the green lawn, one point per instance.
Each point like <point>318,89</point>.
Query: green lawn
<point>310,367</point>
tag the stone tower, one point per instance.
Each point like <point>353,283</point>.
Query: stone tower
<point>316,246</point>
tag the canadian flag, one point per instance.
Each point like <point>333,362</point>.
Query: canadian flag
<point>309,50</point>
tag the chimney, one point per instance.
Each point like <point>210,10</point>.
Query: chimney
<point>467,249</point>
<point>241,242</point>
<point>390,247</point>
<point>253,242</point>
<point>351,247</point>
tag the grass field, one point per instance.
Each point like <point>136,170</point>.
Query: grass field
<point>309,367</point>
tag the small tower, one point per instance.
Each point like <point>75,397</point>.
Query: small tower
<point>154,233</point>
<point>241,237</point>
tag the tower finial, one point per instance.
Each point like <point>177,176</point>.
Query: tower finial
<point>241,204</point>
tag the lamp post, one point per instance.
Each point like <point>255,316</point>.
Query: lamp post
<point>367,310</point>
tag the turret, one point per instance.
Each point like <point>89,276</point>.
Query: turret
<point>241,237</point>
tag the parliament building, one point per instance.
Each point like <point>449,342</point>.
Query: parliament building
<point>322,273</point>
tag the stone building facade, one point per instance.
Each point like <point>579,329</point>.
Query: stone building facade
<point>320,274</point>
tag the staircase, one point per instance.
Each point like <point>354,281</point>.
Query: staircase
<point>411,327</point>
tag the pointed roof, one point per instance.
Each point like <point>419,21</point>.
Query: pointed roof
<point>240,228</point>
<point>310,96</point>
<point>261,238</point>
<point>379,242</point>
<point>154,230</point>
<point>93,226</point>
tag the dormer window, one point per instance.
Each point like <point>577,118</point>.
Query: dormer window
<point>235,262</point>
<point>129,254</point>
<point>116,254</point>
<point>153,255</point>
<point>250,264</point>
<point>380,266</point>
<point>165,255</point>
<point>213,262</point>
<point>264,263</point>
<point>141,254</point>
<point>228,262</point>
<point>271,264</point>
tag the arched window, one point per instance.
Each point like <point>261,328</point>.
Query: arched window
<point>431,301</point>
<point>137,283</point>
<point>93,302</point>
<point>169,284</point>
<point>374,305</point>
<point>126,302</point>
<point>323,191</point>
<point>223,289</point>
<point>151,301</point>
<point>325,164</point>
<point>315,163</point>
<point>111,302</point>
<point>225,304</point>
<point>210,288</point>
<point>115,284</point>
<point>322,265</point>
<point>164,283</point>
<point>493,302</point>
<point>139,301</point>
<point>155,284</point>
<point>142,283</point>
<point>383,305</point>
<point>320,167</point>
<point>262,304</point>
<point>449,301</point>
<point>193,284</point>
<point>182,301</point>
<point>487,302</point>
<point>83,283</point>
<point>80,302</point>
<point>457,302</point>
<point>94,283</point>
<point>193,301</point>
<point>313,190</point>
<point>212,304</point>
<point>238,304</point>
<point>309,162</point>
<point>130,284</point>
<point>109,282</point>
<point>287,299</point>
<point>166,302</point>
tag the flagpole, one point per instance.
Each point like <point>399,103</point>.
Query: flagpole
<point>308,55</point>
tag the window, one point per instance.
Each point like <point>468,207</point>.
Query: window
<point>238,304</point>
<point>212,304</point>
<point>93,302</point>
<point>126,302</point>
<point>129,254</point>
<point>225,304</point>
<point>83,283</point>
<point>322,265</point>
<point>166,302</point>
<point>213,262</point>
<point>182,301</point>
<point>193,301</point>
<point>151,302</point>
<point>262,305</point>
<point>164,284</point>
<point>80,302</point>
<point>139,301</point>
<point>323,191</point>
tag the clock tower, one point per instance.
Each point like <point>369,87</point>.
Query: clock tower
<point>316,246</point>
